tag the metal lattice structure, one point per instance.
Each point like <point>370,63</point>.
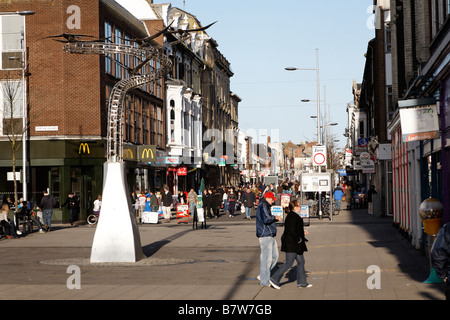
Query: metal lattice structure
<point>143,51</point>
<point>115,106</point>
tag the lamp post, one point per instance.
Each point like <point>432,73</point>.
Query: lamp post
<point>319,138</point>
<point>24,14</point>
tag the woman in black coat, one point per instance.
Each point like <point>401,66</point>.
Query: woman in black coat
<point>293,243</point>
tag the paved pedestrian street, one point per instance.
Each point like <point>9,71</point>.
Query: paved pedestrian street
<point>220,262</point>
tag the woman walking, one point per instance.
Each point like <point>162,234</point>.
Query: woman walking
<point>293,244</point>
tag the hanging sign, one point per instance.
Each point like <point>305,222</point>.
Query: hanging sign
<point>419,119</point>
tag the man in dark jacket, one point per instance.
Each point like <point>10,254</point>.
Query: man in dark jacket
<point>266,230</point>
<point>167,203</point>
<point>73,203</point>
<point>248,200</point>
<point>440,256</point>
<point>47,205</point>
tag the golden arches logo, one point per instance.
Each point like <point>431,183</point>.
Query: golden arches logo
<point>128,153</point>
<point>147,153</point>
<point>85,148</point>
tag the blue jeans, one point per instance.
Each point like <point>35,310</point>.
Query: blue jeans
<point>248,212</point>
<point>47,217</point>
<point>192,207</point>
<point>225,205</point>
<point>301,273</point>
<point>338,203</point>
<point>268,258</point>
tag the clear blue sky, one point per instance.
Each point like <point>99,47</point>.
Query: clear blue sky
<point>261,38</point>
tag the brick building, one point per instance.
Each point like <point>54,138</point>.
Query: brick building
<point>67,97</point>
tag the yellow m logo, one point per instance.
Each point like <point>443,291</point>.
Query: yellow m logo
<point>127,153</point>
<point>85,147</point>
<point>147,153</point>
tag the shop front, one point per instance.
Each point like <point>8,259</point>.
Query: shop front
<point>61,167</point>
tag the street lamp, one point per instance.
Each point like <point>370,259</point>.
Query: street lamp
<point>318,91</point>
<point>24,14</point>
<point>319,138</point>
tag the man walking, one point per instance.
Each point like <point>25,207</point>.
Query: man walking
<point>248,199</point>
<point>167,203</point>
<point>73,203</point>
<point>47,205</point>
<point>266,230</point>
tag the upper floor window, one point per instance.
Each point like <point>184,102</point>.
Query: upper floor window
<point>12,30</point>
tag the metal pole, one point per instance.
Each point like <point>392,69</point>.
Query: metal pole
<point>24,115</point>
<point>319,138</point>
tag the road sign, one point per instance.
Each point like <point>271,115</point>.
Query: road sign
<point>319,156</point>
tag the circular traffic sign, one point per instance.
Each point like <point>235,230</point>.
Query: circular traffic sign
<point>319,158</point>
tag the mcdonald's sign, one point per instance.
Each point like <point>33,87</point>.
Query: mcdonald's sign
<point>85,147</point>
<point>146,153</point>
<point>128,154</point>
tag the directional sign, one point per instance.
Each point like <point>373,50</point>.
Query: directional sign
<point>319,156</point>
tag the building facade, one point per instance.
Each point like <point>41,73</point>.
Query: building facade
<point>67,98</point>
<point>420,69</point>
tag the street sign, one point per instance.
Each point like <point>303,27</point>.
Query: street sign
<point>319,156</point>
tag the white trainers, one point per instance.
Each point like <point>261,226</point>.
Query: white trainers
<point>274,285</point>
<point>19,233</point>
<point>303,286</point>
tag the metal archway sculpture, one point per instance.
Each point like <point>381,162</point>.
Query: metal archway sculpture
<point>117,236</point>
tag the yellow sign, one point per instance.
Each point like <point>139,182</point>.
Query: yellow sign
<point>127,153</point>
<point>85,148</point>
<point>147,153</point>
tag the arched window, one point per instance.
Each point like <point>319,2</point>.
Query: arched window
<point>172,121</point>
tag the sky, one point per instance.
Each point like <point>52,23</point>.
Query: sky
<point>261,38</point>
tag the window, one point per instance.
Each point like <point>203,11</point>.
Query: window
<point>153,124</point>
<point>172,121</point>
<point>128,120</point>
<point>361,129</point>
<point>160,128</point>
<point>12,41</point>
<point>137,120</point>
<point>388,40</point>
<point>108,57</point>
<point>11,98</point>
<point>145,120</point>
<point>118,35</point>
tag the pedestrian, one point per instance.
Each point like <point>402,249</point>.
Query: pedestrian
<point>73,203</point>
<point>97,205</point>
<point>9,226</point>
<point>153,201</point>
<point>217,203</point>
<point>225,200</point>
<point>167,203</point>
<point>48,202</point>
<point>349,197</point>
<point>266,230</point>
<point>248,200</point>
<point>232,199</point>
<point>293,243</point>
<point>338,194</point>
<point>192,200</point>
<point>370,194</point>
<point>206,199</point>
<point>142,200</point>
<point>440,256</point>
